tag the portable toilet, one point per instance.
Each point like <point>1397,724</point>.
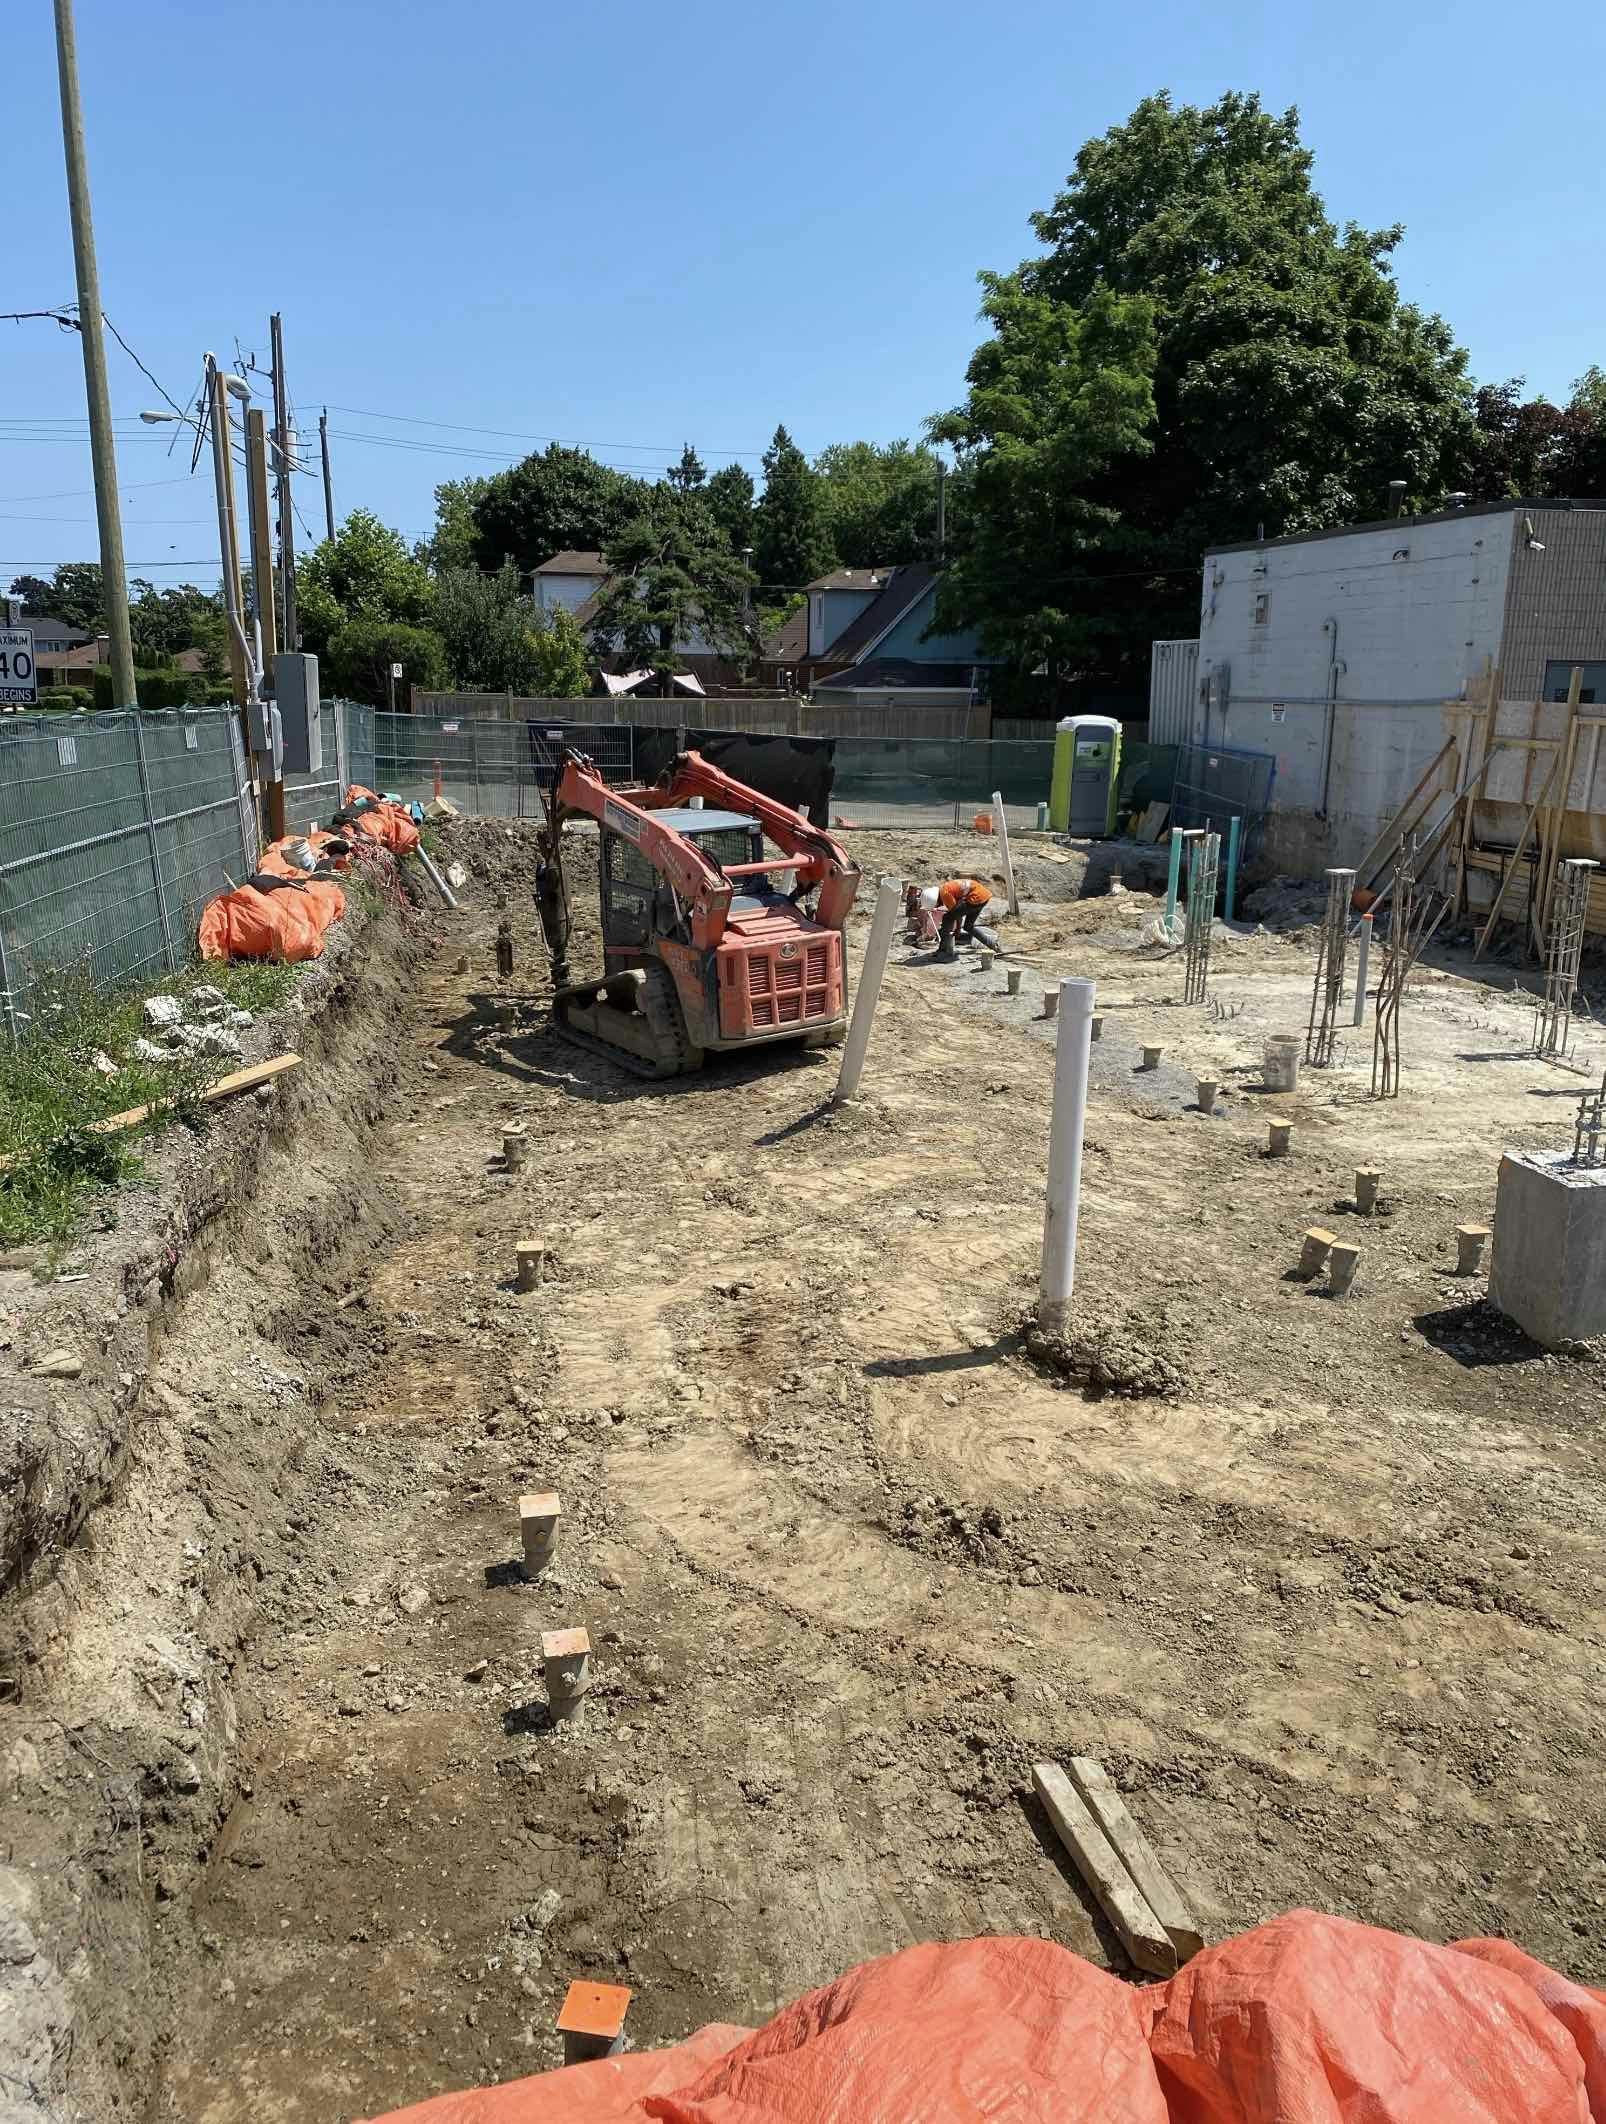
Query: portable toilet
<point>1087,768</point>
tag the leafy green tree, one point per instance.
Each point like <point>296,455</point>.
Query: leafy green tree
<point>791,525</point>
<point>1290,382</point>
<point>364,572</point>
<point>73,595</point>
<point>487,627</point>
<point>881,501</point>
<point>1057,395</point>
<point>557,500</point>
<point>358,659</point>
<point>561,659</point>
<point>729,495</point>
<point>673,578</point>
<point>164,623</point>
<point>451,543</point>
<point>1531,447</point>
<point>687,476</point>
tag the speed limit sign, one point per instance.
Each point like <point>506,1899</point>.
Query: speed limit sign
<point>18,686</point>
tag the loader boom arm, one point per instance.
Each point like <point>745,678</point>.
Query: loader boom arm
<point>698,881</point>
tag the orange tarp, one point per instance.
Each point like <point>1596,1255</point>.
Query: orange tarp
<point>1307,2020</point>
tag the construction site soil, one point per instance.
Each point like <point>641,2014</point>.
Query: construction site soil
<point>287,1834</point>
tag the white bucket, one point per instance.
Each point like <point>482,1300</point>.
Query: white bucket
<point>1280,1070</point>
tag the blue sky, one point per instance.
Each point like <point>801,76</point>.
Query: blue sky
<point>631,225</point>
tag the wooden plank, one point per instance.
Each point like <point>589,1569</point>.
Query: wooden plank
<point>1096,1860</point>
<point>1137,1854</point>
<point>1516,858</point>
<point>1397,828</point>
<point>238,1081</point>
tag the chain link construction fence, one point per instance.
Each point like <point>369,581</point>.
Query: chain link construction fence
<point>115,830</point>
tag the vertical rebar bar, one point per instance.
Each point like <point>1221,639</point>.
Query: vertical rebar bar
<point>1553,1022</point>
<point>1327,991</point>
<point>1204,857</point>
<point>1587,1130</point>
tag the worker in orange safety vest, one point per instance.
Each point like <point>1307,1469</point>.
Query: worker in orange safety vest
<point>954,906</point>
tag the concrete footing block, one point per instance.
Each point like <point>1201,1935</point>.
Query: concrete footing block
<point>515,1142</point>
<point>1098,1025</point>
<point>566,1667</point>
<point>1470,1241</point>
<point>1051,1002</point>
<point>1279,1139</point>
<point>1205,1091</point>
<point>1012,980</point>
<point>592,2022</point>
<point>540,1516</point>
<point>1367,1181</point>
<point>1151,1057</point>
<point>1342,1262</point>
<point>529,1262</point>
<point>1547,1270</point>
<point>1314,1252</point>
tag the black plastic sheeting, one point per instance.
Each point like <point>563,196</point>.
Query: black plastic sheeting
<point>793,770</point>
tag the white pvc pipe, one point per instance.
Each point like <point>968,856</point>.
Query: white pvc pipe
<point>889,902</point>
<point>1071,1049</point>
<point>1001,828</point>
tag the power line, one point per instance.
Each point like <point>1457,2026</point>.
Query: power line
<point>414,420</point>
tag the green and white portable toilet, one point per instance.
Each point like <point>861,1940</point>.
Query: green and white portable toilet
<point>1087,768</point>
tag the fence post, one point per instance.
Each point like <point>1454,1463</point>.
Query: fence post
<point>244,795</point>
<point>5,983</point>
<point>156,846</point>
<point>474,748</point>
<point>1234,829</point>
<point>342,752</point>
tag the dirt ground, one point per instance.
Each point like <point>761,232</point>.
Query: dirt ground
<point>1320,1582</point>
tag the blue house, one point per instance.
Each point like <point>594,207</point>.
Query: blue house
<point>861,639</point>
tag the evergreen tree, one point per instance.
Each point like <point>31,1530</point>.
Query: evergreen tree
<point>791,528</point>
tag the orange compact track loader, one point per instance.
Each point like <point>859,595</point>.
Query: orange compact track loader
<point>703,949</point>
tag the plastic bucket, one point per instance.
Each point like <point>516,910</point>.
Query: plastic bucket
<point>1280,1070</point>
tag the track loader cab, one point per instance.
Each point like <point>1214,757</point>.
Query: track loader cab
<point>709,941</point>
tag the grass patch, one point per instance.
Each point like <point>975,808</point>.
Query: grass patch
<point>54,1171</point>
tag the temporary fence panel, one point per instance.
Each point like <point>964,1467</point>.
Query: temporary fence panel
<point>488,769</point>
<point>115,829</point>
<point>904,782</point>
<point>356,724</point>
<point>1019,769</point>
<point>1215,783</point>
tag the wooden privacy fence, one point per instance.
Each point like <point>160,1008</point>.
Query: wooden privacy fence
<point>781,715</point>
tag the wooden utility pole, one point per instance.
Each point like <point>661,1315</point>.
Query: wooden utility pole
<point>256,481</point>
<point>328,483</point>
<point>228,536</point>
<point>281,458</point>
<point>102,450</point>
<point>256,478</point>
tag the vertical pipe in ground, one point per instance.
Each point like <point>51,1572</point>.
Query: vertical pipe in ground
<point>882,923</point>
<point>1234,831</point>
<point>1001,829</point>
<point>1071,1048</point>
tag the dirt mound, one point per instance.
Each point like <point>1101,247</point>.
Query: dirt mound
<point>1107,1355</point>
